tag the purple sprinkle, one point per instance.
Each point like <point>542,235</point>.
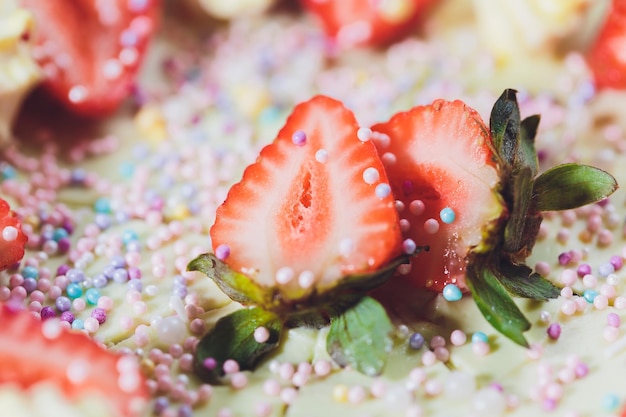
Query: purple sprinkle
<point>210,363</point>
<point>583,269</point>
<point>108,271</point>
<point>120,275</point>
<point>29,284</point>
<point>606,269</point>
<point>133,246</point>
<point>184,411</point>
<point>118,261</point>
<point>67,316</point>
<point>68,226</point>
<point>222,252</point>
<point>75,275</point>
<point>549,404</point>
<point>99,281</point>
<point>180,291</point>
<point>47,313</point>
<point>554,331</point>
<point>135,284</point>
<point>298,138</point>
<point>103,221</point>
<point>565,258</point>
<point>62,269</point>
<point>64,245</point>
<point>407,186</point>
<point>496,386</point>
<point>160,404</point>
<point>99,314</point>
<point>63,304</point>
<point>617,262</point>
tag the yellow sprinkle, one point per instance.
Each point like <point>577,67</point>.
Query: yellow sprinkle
<point>340,393</point>
<point>180,212</point>
<point>251,100</point>
<point>151,124</point>
<point>396,10</point>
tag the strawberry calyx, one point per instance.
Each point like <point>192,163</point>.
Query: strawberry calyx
<point>497,271</point>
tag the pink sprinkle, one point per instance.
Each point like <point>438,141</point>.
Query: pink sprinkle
<point>568,277</point>
<point>613,320</point>
<point>238,380</point>
<point>554,331</point>
<point>568,307</point>
<point>322,368</point>
<point>298,138</point>
<point>286,371</point>
<point>610,334</point>
<point>230,366</point>
<point>581,370</point>
<point>458,337</point>
<point>271,387</point>
<point>105,303</point>
<point>78,304</point>
<point>480,348</point>
<point>262,409</point>
<point>288,395</point>
<point>186,362</point>
<point>431,226</point>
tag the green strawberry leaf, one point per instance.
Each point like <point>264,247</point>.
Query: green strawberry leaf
<point>521,281</point>
<point>522,189</point>
<point>233,338</point>
<point>571,185</point>
<point>495,303</point>
<point>504,124</point>
<point>361,337</point>
<point>526,153</point>
<point>235,285</point>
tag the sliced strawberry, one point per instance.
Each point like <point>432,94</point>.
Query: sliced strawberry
<point>367,22</point>
<point>607,55</point>
<point>91,50</point>
<point>12,238</point>
<point>33,351</point>
<point>439,157</point>
<point>308,206</point>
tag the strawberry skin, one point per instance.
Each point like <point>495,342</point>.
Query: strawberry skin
<point>308,206</point>
<point>90,50</point>
<point>439,157</point>
<point>12,238</point>
<point>606,57</point>
<point>367,22</point>
<point>33,351</point>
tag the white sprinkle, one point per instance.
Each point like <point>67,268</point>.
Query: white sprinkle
<point>77,94</point>
<point>261,334</point>
<point>346,247</point>
<point>129,382</point>
<point>111,69</point>
<point>284,275</point>
<point>321,156</point>
<point>77,371</point>
<point>9,233</point>
<point>128,56</point>
<point>389,158</point>
<point>354,33</point>
<point>383,190</point>
<point>364,134</point>
<point>51,329</point>
<point>371,175</point>
<point>382,139</point>
<point>306,279</point>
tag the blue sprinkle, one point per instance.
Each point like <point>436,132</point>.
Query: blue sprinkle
<point>610,402</point>
<point>451,292</point>
<point>127,169</point>
<point>102,205</point>
<point>590,295</point>
<point>92,295</point>
<point>78,324</point>
<point>416,341</point>
<point>7,172</point>
<point>59,233</point>
<point>447,215</point>
<point>479,337</point>
<point>129,235</point>
<point>30,272</point>
<point>74,290</point>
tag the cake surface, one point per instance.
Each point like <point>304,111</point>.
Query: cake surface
<point>137,193</point>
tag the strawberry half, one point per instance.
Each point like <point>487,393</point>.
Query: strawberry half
<point>33,351</point>
<point>91,50</point>
<point>367,22</point>
<point>442,168</point>
<point>12,238</point>
<point>607,56</point>
<point>314,208</point>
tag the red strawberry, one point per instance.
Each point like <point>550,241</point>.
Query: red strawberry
<point>439,157</point>
<point>91,50</point>
<point>12,238</point>
<point>33,351</point>
<point>367,22</point>
<point>316,201</point>
<point>607,55</point>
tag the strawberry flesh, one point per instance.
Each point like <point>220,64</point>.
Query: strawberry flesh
<point>12,238</point>
<point>307,206</point>
<point>439,157</point>
<point>606,56</point>
<point>90,50</point>
<point>358,23</point>
<point>33,351</point>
